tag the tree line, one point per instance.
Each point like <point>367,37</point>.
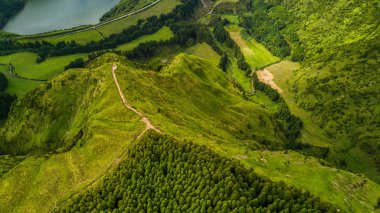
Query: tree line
<point>224,37</point>
<point>261,26</point>
<point>163,175</point>
<point>6,99</point>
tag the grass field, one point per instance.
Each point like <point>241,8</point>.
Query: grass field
<point>162,7</point>
<point>256,54</point>
<point>204,51</point>
<point>25,65</point>
<point>163,34</point>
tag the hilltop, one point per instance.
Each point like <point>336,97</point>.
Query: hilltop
<point>98,129</point>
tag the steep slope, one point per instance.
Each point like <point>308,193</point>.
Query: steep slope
<point>190,99</point>
<point>162,175</point>
<point>80,123</point>
<point>337,43</point>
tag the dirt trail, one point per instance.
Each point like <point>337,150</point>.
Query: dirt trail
<point>266,77</point>
<point>144,119</point>
<point>114,163</point>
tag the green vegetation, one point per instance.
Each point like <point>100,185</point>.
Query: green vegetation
<point>8,162</point>
<point>25,65</point>
<point>351,192</point>
<point>70,144</point>
<point>106,128</point>
<point>8,8</point>
<point>204,51</point>
<point>337,44</point>
<point>163,34</point>
<point>256,54</point>
<point>209,110</point>
<point>162,175</point>
<point>6,99</point>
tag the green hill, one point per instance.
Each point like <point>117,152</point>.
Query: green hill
<point>190,99</point>
<point>337,44</point>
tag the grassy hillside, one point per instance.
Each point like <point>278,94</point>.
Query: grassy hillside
<point>25,65</point>
<point>337,43</point>
<point>190,99</point>
<point>255,53</point>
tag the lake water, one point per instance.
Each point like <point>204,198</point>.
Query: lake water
<point>40,16</point>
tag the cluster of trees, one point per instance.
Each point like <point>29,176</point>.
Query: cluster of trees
<point>6,99</point>
<point>262,27</point>
<point>223,36</point>
<point>290,124</point>
<point>162,175</point>
<point>8,8</point>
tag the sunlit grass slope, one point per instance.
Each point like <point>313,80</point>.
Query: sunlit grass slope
<point>106,127</point>
<point>190,99</point>
<point>255,53</point>
<point>25,65</point>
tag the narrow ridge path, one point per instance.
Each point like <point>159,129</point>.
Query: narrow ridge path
<point>144,119</point>
<point>115,162</point>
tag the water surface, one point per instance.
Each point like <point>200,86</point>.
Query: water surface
<point>40,16</point>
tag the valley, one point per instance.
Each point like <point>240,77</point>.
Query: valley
<point>194,106</point>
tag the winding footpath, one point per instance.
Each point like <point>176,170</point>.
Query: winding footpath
<point>144,119</point>
<point>116,162</point>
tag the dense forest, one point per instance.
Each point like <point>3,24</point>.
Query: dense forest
<point>162,175</point>
<point>8,8</point>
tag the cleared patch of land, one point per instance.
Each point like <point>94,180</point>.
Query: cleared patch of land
<point>267,77</point>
